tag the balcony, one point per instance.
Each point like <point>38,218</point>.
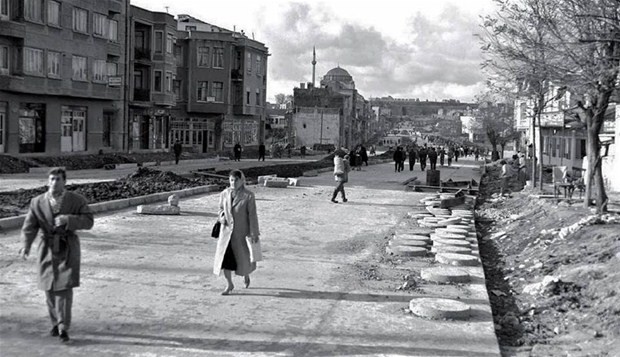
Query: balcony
<point>142,54</point>
<point>12,29</point>
<point>236,75</point>
<point>115,7</point>
<point>141,95</point>
<point>114,48</point>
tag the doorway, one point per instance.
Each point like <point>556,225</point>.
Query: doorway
<point>73,129</point>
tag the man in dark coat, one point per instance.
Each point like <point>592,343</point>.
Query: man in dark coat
<point>412,156</point>
<point>261,151</point>
<point>57,214</point>
<point>302,151</point>
<point>364,154</point>
<point>238,149</point>
<point>398,159</point>
<point>432,157</point>
<point>177,148</point>
<point>422,156</point>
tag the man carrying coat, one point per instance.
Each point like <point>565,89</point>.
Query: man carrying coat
<point>57,214</point>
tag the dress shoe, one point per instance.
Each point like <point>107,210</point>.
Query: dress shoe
<point>246,280</point>
<point>64,336</point>
<point>54,332</point>
<point>344,200</point>
<point>228,290</point>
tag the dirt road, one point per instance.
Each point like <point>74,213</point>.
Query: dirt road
<point>147,286</point>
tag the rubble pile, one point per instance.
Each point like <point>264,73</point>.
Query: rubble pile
<point>552,274</point>
<point>143,181</point>
<point>10,164</point>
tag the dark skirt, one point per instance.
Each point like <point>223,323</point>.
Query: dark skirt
<point>229,262</point>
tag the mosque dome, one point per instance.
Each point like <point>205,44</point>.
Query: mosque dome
<point>338,74</point>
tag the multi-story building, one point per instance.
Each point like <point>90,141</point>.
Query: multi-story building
<point>152,69</point>
<point>61,75</point>
<point>222,85</point>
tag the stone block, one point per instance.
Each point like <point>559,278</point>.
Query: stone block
<point>456,259</point>
<point>262,179</point>
<point>452,242</point>
<point>408,243</point>
<point>434,308</point>
<point>414,231</point>
<point>159,210</point>
<point>276,183</point>
<point>450,249</point>
<point>293,181</point>
<point>445,275</point>
<point>407,251</point>
<point>444,235</point>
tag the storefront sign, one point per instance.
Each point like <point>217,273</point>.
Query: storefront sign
<point>115,81</point>
<point>552,119</point>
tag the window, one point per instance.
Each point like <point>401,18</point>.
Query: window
<point>79,68</point>
<point>4,59</point>
<point>53,64</point>
<point>249,63</point>
<point>169,42</point>
<point>112,69</point>
<point>80,20</point>
<point>202,91</point>
<point>4,8</point>
<point>258,64</point>
<point>53,13</point>
<point>113,30</point>
<point>137,79</point>
<point>203,56</point>
<point>33,10</point>
<point>178,55</point>
<point>218,57</point>
<point>238,60</point>
<point>247,97</point>
<point>33,61</point>
<point>100,25</point>
<point>157,81</point>
<point>159,38</point>
<point>100,71</point>
<point>217,91</point>
<point>176,89</point>
<point>567,151</point>
<point>168,82</point>
<point>258,97</point>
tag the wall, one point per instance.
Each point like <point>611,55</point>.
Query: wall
<point>311,133</point>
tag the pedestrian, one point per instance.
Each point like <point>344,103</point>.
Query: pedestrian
<point>398,158</point>
<point>456,154</point>
<point>177,148</point>
<point>522,174</point>
<point>364,154</point>
<point>341,174</point>
<point>358,157</point>
<point>412,157</point>
<point>302,151</point>
<point>289,150</point>
<point>238,149</point>
<point>422,154</point>
<point>450,156</point>
<point>476,154</point>
<point>442,155</point>
<point>505,178</point>
<point>56,215</point>
<point>237,214</point>
<point>432,157</point>
<point>373,151</point>
<point>261,151</point>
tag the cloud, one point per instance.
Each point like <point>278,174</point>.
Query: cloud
<point>436,58</point>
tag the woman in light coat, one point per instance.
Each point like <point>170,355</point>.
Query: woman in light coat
<point>237,214</point>
<point>341,175</point>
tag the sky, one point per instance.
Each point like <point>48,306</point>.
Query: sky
<point>423,49</point>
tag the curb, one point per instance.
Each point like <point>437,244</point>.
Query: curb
<point>16,222</point>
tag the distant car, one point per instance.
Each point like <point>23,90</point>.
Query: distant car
<point>324,147</point>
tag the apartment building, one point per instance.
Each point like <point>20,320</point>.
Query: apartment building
<point>221,87</point>
<point>152,69</point>
<point>61,83</point>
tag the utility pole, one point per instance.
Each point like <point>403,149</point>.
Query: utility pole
<point>321,137</point>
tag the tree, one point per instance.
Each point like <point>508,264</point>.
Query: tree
<point>282,98</point>
<point>589,39</point>
<point>496,120</point>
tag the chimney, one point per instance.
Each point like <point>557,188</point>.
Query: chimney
<point>302,85</point>
<point>310,85</point>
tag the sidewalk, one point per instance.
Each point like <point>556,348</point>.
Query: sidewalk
<point>147,287</point>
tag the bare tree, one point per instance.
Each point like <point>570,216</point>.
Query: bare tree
<point>588,37</point>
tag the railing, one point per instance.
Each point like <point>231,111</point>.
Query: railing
<point>141,95</point>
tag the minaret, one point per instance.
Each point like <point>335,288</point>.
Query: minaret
<point>313,65</point>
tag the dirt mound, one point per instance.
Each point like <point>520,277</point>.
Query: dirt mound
<point>10,164</point>
<point>552,280</point>
<point>143,181</point>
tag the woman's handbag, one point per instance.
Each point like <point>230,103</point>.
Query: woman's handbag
<point>215,232</point>
<point>256,254</point>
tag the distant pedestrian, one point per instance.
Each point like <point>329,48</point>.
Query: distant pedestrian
<point>412,157</point>
<point>237,214</point>
<point>422,155</point>
<point>302,151</point>
<point>450,156</point>
<point>373,151</point>
<point>398,159</point>
<point>238,149</point>
<point>442,156</point>
<point>261,151</point>
<point>364,155</point>
<point>432,157</point>
<point>57,215</point>
<point>357,155</point>
<point>341,174</point>
<point>505,177</point>
<point>476,154</point>
<point>178,149</point>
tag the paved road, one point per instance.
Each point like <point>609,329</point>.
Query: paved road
<point>147,286</point>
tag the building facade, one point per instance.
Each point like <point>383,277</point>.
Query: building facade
<point>61,79</point>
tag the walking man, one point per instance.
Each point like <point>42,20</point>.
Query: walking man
<point>57,214</point>
<point>412,157</point>
<point>432,156</point>
<point>422,156</point>
<point>261,151</point>
<point>238,149</point>
<point>177,148</point>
